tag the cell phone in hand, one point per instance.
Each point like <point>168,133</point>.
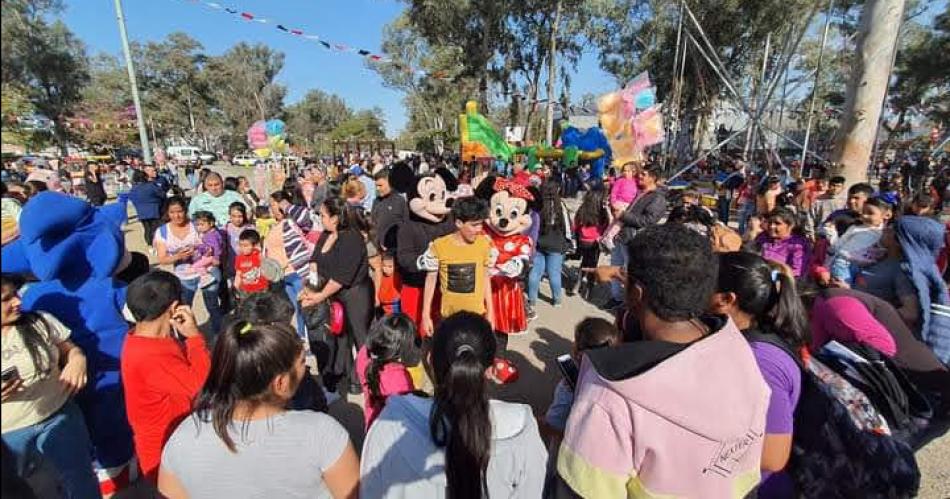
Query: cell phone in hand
<point>9,374</point>
<point>568,369</point>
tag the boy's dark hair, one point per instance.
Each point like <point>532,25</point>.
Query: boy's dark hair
<point>923,200</point>
<point>879,203</point>
<point>205,216</point>
<point>595,332</point>
<point>862,187</point>
<point>382,174</point>
<point>251,236</point>
<point>150,295</point>
<point>837,179</point>
<point>268,307</point>
<point>676,268</point>
<point>230,183</point>
<point>469,209</point>
<point>652,169</point>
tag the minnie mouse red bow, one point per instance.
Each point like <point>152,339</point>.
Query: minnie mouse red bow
<point>517,190</point>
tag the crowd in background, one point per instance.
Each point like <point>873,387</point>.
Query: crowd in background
<point>731,277</point>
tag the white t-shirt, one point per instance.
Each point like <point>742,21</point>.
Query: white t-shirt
<point>40,396</point>
<point>283,456</point>
<point>183,269</point>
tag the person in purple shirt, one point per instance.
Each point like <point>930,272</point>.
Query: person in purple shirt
<point>779,243</point>
<point>763,302</point>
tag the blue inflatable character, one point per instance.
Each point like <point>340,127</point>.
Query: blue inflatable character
<point>74,249</point>
<point>588,141</point>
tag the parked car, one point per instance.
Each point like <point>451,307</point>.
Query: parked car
<point>207,157</point>
<point>246,160</point>
<point>184,155</point>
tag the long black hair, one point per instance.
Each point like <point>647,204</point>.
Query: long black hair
<point>552,211</point>
<point>391,339</point>
<point>592,212</point>
<point>350,217</point>
<point>463,347</point>
<point>767,294</point>
<point>33,329</point>
<point>246,359</point>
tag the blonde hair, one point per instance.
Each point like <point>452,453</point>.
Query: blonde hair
<point>353,188</point>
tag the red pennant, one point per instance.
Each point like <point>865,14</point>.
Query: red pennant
<point>375,57</point>
<point>247,15</point>
<point>296,32</point>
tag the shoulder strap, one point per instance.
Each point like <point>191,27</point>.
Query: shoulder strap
<point>163,230</point>
<point>774,340</point>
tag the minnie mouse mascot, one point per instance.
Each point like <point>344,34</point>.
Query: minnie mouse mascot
<point>429,219</point>
<point>509,218</point>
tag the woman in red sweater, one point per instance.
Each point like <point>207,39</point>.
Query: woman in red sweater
<point>161,374</point>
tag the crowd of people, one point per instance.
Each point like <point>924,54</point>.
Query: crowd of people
<point>403,282</point>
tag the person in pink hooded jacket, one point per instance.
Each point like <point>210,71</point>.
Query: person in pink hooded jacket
<point>679,410</point>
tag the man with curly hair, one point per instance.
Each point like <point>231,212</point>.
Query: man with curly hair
<point>679,408</point>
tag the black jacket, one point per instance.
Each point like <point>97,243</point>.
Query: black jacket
<point>387,213</point>
<point>647,210</point>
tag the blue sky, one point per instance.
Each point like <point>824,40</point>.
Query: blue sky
<point>357,23</point>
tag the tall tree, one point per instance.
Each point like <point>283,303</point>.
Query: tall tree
<point>637,36</point>
<point>176,94</point>
<point>316,115</point>
<point>433,101</point>
<point>105,109</point>
<point>871,71</point>
<point>242,83</point>
<point>45,58</point>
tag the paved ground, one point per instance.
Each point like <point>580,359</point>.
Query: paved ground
<point>550,336</point>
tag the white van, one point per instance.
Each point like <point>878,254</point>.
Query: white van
<point>186,155</point>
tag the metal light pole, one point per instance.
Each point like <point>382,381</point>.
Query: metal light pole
<point>139,117</point>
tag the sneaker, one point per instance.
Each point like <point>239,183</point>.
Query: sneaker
<point>557,304</point>
<point>532,315</point>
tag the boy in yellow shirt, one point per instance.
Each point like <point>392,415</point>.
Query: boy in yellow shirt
<point>459,264</point>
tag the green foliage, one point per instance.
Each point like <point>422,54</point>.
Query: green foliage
<point>365,124</point>
<point>44,57</point>
<point>313,118</point>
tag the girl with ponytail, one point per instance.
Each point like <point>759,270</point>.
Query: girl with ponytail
<point>392,346</point>
<point>241,440</point>
<point>458,444</point>
<point>760,297</point>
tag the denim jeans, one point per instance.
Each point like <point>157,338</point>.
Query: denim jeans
<point>618,258</point>
<point>293,285</point>
<point>63,441</point>
<point>748,210</point>
<point>545,263</point>
<point>210,296</point>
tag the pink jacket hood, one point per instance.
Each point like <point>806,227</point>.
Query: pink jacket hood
<point>692,425</point>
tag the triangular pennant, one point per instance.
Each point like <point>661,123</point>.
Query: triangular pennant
<point>363,52</point>
<point>325,44</point>
<point>247,15</point>
<point>341,47</point>
<point>229,10</point>
<point>214,5</point>
<point>282,28</point>
<point>296,32</point>
<point>375,57</point>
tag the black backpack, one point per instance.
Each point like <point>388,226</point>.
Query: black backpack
<point>842,447</point>
<point>892,393</point>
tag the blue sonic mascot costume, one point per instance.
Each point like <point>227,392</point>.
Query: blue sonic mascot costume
<point>74,250</point>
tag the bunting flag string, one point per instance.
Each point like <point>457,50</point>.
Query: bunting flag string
<point>333,47</point>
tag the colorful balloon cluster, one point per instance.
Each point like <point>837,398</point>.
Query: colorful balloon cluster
<point>267,138</point>
<point>631,119</point>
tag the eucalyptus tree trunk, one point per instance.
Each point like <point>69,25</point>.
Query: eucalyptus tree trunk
<point>870,75</point>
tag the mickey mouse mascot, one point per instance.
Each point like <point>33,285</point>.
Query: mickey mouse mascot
<point>429,219</point>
